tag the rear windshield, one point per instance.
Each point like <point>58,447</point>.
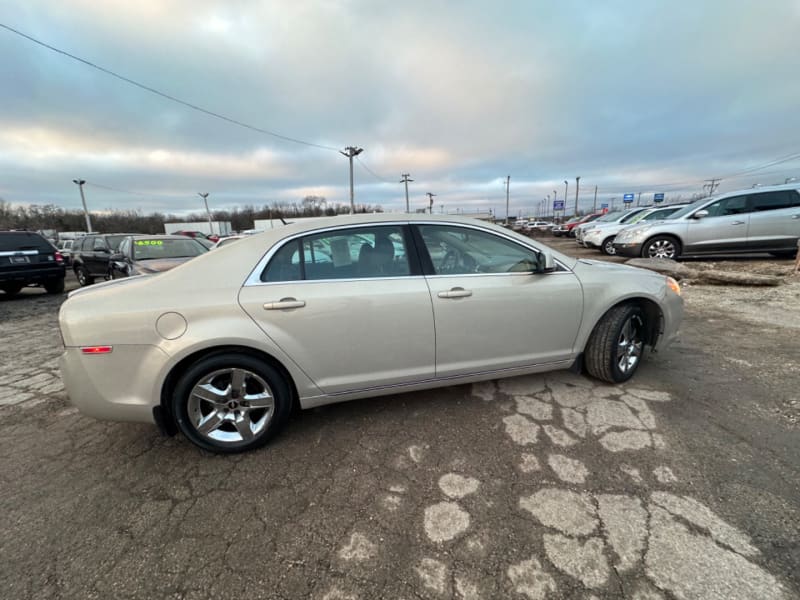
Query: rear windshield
<point>23,240</point>
<point>154,249</point>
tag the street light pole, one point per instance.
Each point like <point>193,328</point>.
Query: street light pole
<point>508,185</point>
<point>350,152</point>
<point>405,180</point>
<point>594,206</point>
<point>80,183</point>
<point>566,192</point>
<point>430,201</point>
<point>204,196</point>
<point>577,187</point>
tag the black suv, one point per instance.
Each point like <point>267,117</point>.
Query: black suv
<point>27,258</point>
<point>91,255</point>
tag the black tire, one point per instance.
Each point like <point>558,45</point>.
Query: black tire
<point>187,408</point>
<point>54,287</point>
<point>602,354</point>
<point>12,289</point>
<point>784,254</point>
<point>556,234</point>
<point>607,247</point>
<point>83,276</point>
<point>661,246</point>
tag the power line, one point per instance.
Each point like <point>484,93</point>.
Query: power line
<point>371,172</point>
<point>152,90</point>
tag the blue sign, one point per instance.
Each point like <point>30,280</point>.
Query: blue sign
<point>604,205</point>
<point>658,197</point>
<point>558,205</point>
<point>627,198</point>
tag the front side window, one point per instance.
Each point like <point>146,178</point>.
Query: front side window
<point>775,200</point>
<point>363,252</point>
<point>460,251</point>
<point>99,244</point>
<point>735,205</point>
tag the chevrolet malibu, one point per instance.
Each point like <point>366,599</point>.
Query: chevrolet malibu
<point>222,347</point>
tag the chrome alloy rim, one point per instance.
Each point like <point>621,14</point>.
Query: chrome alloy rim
<point>629,346</point>
<point>609,246</point>
<point>231,405</point>
<point>661,249</point>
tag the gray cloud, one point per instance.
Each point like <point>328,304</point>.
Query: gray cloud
<point>629,95</point>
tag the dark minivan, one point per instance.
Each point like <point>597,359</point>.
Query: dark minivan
<point>27,258</point>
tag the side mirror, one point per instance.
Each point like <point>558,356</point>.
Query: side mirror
<point>546,262</point>
<point>700,214</point>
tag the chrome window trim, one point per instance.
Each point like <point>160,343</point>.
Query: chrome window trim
<point>254,278</point>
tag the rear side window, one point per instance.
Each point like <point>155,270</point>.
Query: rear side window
<point>775,200</point>
<point>16,241</point>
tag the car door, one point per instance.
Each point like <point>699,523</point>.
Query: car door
<point>774,220</point>
<point>491,310</point>
<point>97,259</point>
<point>349,305</point>
<point>724,229</point>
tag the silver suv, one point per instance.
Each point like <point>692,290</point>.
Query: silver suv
<point>755,220</point>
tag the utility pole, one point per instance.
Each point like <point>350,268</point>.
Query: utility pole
<point>350,152</point>
<point>577,187</point>
<point>612,204</point>
<point>80,183</point>
<point>711,185</point>
<point>639,199</point>
<point>204,196</point>
<point>508,185</point>
<point>405,180</point>
<point>594,206</point>
<point>566,191</point>
<point>430,201</point>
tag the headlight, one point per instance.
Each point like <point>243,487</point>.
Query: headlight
<point>674,285</point>
<point>635,232</point>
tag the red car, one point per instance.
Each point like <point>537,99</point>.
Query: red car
<point>568,228</point>
<point>199,234</point>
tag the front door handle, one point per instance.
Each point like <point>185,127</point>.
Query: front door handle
<point>456,292</point>
<point>284,303</point>
<point>738,223</point>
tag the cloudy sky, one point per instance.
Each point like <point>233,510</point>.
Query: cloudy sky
<point>633,96</point>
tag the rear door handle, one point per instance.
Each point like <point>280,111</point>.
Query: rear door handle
<point>738,223</point>
<point>455,292</point>
<point>284,303</point>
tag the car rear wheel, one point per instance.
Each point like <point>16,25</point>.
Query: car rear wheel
<point>83,276</point>
<point>616,345</point>
<point>230,403</point>
<point>54,287</point>
<point>12,289</point>
<point>607,247</point>
<point>662,246</point>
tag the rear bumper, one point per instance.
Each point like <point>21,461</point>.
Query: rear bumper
<point>631,250</point>
<point>119,386</point>
<point>27,276</point>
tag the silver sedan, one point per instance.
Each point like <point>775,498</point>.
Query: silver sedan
<point>221,347</point>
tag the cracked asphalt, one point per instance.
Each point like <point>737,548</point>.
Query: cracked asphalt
<point>683,483</point>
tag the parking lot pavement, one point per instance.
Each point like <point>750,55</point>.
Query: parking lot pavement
<point>683,483</point>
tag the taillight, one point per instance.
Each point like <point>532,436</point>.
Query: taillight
<point>59,257</point>
<point>96,349</point>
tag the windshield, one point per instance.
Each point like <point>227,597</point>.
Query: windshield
<point>688,209</point>
<point>610,216</point>
<point>155,249</point>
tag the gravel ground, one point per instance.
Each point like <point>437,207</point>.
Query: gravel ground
<point>682,483</point>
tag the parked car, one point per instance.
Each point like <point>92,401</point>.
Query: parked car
<point>603,235</point>
<point>227,240</point>
<point>199,235</point>
<point>766,219</point>
<point>65,248</point>
<point>617,216</point>
<point>538,226</point>
<point>150,254</point>
<point>311,314</point>
<point>27,258</point>
<point>568,228</point>
<point>91,254</point>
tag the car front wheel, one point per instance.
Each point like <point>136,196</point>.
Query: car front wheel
<point>83,276</point>
<point>662,246</point>
<point>608,247</point>
<point>228,403</point>
<point>616,345</point>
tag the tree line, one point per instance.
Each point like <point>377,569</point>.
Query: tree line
<point>36,217</point>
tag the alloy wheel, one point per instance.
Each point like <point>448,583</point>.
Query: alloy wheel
<point>231,405</point>
<point>661,249</point>
<point>629,345</point>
